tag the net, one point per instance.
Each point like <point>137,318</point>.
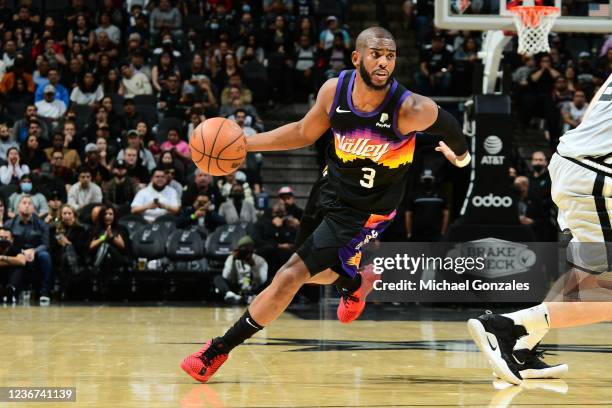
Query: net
<point>533,23</point>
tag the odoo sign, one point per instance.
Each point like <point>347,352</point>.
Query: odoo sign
<point>492,201</point>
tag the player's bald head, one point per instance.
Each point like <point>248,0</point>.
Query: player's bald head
<point>371,35</point>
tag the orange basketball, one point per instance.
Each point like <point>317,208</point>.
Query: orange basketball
<point>218,146</point>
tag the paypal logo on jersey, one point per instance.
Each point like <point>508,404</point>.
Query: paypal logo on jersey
<point>381,122</point>
<point>361,147</point>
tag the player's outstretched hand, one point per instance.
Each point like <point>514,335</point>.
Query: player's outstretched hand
<point>460,161</point>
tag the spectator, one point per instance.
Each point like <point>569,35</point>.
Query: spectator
<point>104,48</point>
<point>6,141</point>
<point>229,67</point>
<point>60,93</point>
<point>130,117</point>
<point>276,236</point>
<point>9,80</point>
<point>68,243</point>
<point>104,151</point>
<point>157,198</point>
<point>244,275</point>
<point>305,68</point>
<point>427,213</point>
<point>108,245</point>
<point>12,171</point>
<point>530,208</point>
<point>113,32</point>
<point>81,34</point>
<point>166,17</point>
<point>88,91</point>
<point>464,59</point>
<point>194,73</point>
<point>286,195</point>
<point>26,187</point>
<point>235,80</point>
<point>434,77</point>
<point>31,236</point>
<point>11,263</point>
<point>174,142</point>
<point>70,157</point>
<point>162,71</point>
<point>85,191</point>
<point>134,168</point>
<point>539,180</point>
<point>20,92</point>
<point>168,160</point>
<point>145,157</point>
<point>33,154</point>
<point>49,107</point>
<point>573,111</point>
<point>54,216</point>
<point>539,101</point>
<point>204,94</point>
<point>133,84</point>
<point>226,184</point>
<point>201,213</point>
<point>237,209</point>
<point>98,172</point>
<point>21,128</point>
<point>121,189</point>
<point>62,174</point>
<point>9,53</point>
<point>172,183</point>
<point>202,184</point>
<point>171,101</point>
<point>336,59</point>
<point>327,36</point>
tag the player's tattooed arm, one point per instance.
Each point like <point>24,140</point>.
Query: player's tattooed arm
<point>421,114</point>
<point>302,133</point>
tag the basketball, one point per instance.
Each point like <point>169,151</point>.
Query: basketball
<point>218,146</point>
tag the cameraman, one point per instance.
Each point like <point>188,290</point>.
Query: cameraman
<point>11,263</point>
<point>276,236</point>
<point>202,214</point>
<point>245,273</point>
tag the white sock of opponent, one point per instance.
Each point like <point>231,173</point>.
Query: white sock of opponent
<point>536,322</point>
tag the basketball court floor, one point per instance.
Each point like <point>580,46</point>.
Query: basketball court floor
<point>397,356</point>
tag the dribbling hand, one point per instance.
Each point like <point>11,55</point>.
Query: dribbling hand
<point>451,156</point>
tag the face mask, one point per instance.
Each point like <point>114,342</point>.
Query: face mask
<point>238,196</point>
<point>26,187</point>
<point>4,243</point>
<point>538,168</point>
<point>214,26</point>
<point>246,8</point>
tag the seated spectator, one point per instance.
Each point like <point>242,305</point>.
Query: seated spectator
<point>286,195</point>
<point>305,68</point>
<point>236,209</point>
<point>26,188</point>
<point>130,118</point>
<point>235,80</point>
<point>172,183</point>
<point>162,71</point>
<point>235,102</point>
<point>121,189</point>
<point>33,155</point>
<point>135,170</point>
<point>70,157</point>
<point>166,17</point>
<point>103,120</point>
<point>336,59</point>
<point>245,274</point>
<point>103,149</point>
<point>434,77</point>
<point>103,47</point>
<point>60,93</point>
<point>88,91</point>
<point>12,171</point>
<point>31,236</point>
<point>200,213</point>
<point>572,112</point>
<point>23,126</point>
<point>6,142</point>
<point>174,142</point>
<point>133,84</point>
<point>171,100</point>
<point>85,191</point>
<point>68,243</point>
<point>20,93</point>
<point>227,183</point>
<point>98,172</point>
<point>145,157</point>
<point>139,57</point>
<point>205,95</point>
<point>54,216</point>
<point>202,184</point>
<point>80,33</point>
<point>12,262</point>
<point>9,80</point>
<point>530,208</point>
<point>108,245</point>
<point>276,236</point>
<point>57,176</point>
<point>49,107</point>
<point>113,32</point>
<point>327,36</point>
<point>194,73</point>
<point>157,198</point>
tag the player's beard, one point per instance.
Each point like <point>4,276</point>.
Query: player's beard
<point>367,78</point>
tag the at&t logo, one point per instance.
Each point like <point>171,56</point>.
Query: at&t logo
<point>492,145</point>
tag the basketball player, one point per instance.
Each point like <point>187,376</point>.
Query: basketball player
<point>581,173</point>
<point>374,120</point>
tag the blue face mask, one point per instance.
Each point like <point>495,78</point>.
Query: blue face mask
<point>246,8</point>
<point>26,187</point>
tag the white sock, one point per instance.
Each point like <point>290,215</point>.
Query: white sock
<point>533,319</point>
<point>530,340</point>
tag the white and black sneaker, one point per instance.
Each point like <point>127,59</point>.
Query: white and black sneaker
<point>495,336</point>
<point>534,367</point>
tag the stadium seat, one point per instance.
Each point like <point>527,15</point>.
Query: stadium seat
<point>149,242</point>
<point>148,113</point>
<point>118,102</point>
<point>185,245</point>
<point>148,100</point>
<point>165,125</point>
<point>83,113</point>
<point>132,222</point>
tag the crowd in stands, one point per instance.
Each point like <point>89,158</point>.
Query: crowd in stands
<point>97,99</point>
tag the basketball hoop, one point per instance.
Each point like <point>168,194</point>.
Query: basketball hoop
<point>533,23</point>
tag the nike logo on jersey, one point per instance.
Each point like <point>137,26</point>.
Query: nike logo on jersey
<point>361,147</point>
<point>342,110</point>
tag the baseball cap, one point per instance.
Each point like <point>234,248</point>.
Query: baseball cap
<point>331,18</point>
<point>285,190</point>
<point>584,54</point>
<point>91,147</point>
<point>119,164</point>
<point>49,89</point>
<point>54,195</point>
<point>245,241</point>
<point>132,133</point>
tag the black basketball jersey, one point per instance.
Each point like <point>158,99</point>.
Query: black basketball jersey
<point>369,157</point>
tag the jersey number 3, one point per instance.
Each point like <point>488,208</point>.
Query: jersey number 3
<point>368,177</point>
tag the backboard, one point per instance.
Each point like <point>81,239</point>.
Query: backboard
<point>594,16</point>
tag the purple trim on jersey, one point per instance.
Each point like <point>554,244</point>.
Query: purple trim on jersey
<point>402,98</point>
<point>349,97</point>
<point>336,95</point>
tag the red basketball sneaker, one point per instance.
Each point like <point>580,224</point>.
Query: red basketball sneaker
<point>352,304</point>
<point>203,364</point>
